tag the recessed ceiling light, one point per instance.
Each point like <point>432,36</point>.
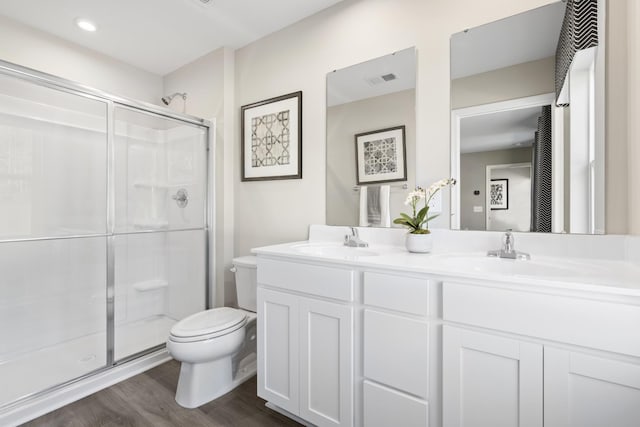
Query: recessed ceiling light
<point>85,24</point>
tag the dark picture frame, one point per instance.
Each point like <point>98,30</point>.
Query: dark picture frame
<point>381,156</point>
<point>271,138</point>
<point>499,194</point>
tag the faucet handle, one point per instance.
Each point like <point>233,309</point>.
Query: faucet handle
<point>508,242</point>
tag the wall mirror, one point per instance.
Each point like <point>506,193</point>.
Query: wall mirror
<point>371,124</point>
<point>527,125</point>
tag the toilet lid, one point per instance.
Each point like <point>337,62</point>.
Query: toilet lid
<point>208,322</point>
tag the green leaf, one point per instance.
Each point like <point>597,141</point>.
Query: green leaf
<point>422,214</point>
<point>432,217</point>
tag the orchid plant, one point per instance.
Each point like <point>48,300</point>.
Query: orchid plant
<point>418,222</point>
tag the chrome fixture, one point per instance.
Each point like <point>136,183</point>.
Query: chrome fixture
<point>167,99</point>
<point>508,249</point>
<point>353,240</point>
<point>181,197</point>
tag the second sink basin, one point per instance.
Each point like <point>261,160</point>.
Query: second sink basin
<point>531,268</point>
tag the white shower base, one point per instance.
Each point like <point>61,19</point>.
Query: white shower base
<point>47,367</point>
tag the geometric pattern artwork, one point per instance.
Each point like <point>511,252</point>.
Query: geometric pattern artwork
<point>579,31</point>
<point>270,140</point>
<point>499,194</point>
<point>380,157</point>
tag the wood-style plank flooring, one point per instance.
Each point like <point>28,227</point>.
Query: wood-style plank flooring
<point>147,400</point>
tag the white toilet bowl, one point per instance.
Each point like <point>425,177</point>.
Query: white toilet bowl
<point>206,343</point>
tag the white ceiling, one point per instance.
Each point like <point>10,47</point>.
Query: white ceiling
<point>364,80</point>
<point>161,35</point>
<point>520,38</point>
<point>499,131</point>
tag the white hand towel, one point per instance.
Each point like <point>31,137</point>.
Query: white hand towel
<point>385,218</point>
<point>383,201</point>
<point>364,212</point>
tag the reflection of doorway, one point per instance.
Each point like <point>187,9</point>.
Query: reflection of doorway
<point>498,133</point>
<point>515,212</point>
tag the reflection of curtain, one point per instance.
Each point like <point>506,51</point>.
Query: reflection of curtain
<point>541,213</point>
<point>579,31</point>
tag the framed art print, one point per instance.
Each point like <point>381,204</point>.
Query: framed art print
<point>381,156</point>
<point>271,137</point>
<point>499,194</point>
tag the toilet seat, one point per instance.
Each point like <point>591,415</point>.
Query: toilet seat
<point>208,324</point>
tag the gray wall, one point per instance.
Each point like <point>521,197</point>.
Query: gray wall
<point>343,123</point>
<point>518,81</point>
<point>473,167</point>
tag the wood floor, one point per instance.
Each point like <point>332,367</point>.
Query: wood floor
<point>148,400</point>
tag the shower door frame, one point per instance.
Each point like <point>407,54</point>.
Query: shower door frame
<point>112,102</point>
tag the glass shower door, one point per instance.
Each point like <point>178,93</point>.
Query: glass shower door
<point>160,234</point>
<point>53,245</point>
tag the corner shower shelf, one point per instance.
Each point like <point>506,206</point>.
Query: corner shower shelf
<point>150,285</point>
<point>162,185</point>
<point>151,225</point>
<point>151,185</point>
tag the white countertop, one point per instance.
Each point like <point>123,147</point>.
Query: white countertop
<point>615,277</point>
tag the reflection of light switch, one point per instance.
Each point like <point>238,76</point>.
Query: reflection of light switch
<point>435,205</point>
<point>477,209</point>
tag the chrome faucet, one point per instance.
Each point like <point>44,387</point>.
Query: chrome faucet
<point>353,240</point>
<point>508,249</point>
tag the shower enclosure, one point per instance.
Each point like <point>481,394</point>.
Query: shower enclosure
<point>103,229</point>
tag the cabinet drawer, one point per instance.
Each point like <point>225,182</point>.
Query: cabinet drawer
<point>329,282</point>
<point>597,324</point>
<point>401,293</point>
<point>384,407</point>
<point>396,352</point>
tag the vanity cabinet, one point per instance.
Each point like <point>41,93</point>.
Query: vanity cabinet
<point>352,343</point>
<point>305,341</point>
<point>501,378</point>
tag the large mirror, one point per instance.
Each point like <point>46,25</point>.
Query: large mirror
<point>527,138</point>
<point>371,123</point>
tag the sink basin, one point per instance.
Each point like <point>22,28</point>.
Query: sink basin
<point>333,250</point>
<point>536,267</point>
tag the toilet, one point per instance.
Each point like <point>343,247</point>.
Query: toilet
<point>217,347</point>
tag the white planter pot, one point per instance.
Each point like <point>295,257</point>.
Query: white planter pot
<point>419,243</point>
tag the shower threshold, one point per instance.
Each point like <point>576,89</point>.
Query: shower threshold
<point>45,368</point>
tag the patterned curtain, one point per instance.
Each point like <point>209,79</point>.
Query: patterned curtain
<point>579,31</point>
<point>541,185</point>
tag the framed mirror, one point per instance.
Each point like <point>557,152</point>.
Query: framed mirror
<point>371,121</point>
<point>527,127</point>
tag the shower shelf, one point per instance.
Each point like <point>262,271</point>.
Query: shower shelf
<point>150,285</point>
<point>153,225</point>
<point>152,185</point>
<point>161,185</point>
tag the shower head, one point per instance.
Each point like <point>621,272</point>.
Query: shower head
<point>167,99</point>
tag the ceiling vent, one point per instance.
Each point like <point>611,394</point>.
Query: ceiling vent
<point>374,81</point>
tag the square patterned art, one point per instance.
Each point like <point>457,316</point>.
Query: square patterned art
<point>381,156</point>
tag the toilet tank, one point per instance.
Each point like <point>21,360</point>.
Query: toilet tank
<point>245,268</point>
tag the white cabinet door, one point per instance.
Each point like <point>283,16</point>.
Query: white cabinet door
<point>326,363</point>
<point>490,380</point>
<point>587,391</point>
<point>278,345</point>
